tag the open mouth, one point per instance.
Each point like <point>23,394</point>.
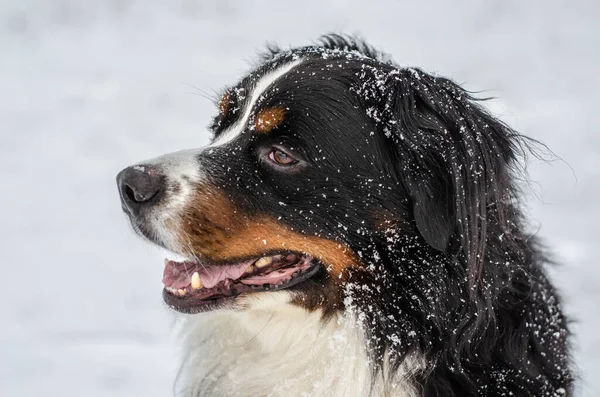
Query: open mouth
<point>192,287</point>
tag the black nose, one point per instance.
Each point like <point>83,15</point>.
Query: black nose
<point>139,186</point>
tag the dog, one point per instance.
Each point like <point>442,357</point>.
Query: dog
<point>352,229</point>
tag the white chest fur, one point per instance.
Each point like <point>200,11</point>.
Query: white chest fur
<point>278,349</point>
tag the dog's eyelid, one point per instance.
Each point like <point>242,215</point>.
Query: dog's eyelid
<point>291,150</point>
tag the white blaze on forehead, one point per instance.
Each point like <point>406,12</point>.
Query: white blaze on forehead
<point>259,89</point>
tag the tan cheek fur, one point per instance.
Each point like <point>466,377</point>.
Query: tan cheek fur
<point>213,228</point>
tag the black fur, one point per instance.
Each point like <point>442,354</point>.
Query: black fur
<point>479,303</point>
<point>419,181</point>
<point>453,275</point>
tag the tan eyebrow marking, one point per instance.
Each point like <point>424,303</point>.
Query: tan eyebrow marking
<point>267,119</point>
<point>263,84</point>
<point>224,104</point>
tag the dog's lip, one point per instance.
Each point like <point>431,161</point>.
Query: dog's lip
<point>184,281</point>
<point>189,306</point>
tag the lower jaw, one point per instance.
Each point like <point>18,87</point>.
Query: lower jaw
<point>195,306</point>
<point>190,304</point>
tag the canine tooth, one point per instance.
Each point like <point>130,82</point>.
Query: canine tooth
<point>264,261</point>
<point>196,282</point>
<point>181,292</point>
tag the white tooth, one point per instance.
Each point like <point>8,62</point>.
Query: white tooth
<point>166,261</point>
<point>264,261</point>
<point>196,282</point>
<point>181,292</point>
<point>249,269</point>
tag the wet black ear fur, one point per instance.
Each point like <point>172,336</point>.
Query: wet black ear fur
<point>454,160</point>
<point>432,212</point>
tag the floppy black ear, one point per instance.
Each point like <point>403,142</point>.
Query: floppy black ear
<point>432,208</point>
<point>453,159</point>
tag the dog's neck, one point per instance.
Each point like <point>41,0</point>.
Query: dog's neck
<point>278,349</point>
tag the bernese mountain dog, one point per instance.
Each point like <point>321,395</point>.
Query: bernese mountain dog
<point>352,229</point>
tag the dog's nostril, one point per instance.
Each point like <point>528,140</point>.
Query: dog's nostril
<point>142,193</point>
<point>131,194</point>
<point>139,186</point>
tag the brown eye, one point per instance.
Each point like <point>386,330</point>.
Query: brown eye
<point>281,158</point>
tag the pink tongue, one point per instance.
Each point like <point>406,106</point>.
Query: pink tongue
<point>179,274</point>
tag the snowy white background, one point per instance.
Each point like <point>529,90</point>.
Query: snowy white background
<point>87,88</point>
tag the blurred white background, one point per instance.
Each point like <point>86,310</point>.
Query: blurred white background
<point>89,87</point>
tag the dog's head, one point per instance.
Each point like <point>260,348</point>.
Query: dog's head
<point>329,167</point>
